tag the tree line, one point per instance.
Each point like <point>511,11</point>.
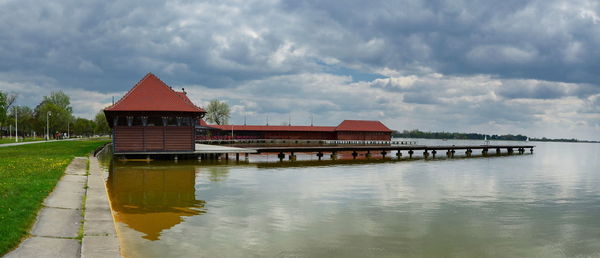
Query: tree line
<point>55,111</point>
<point>457,136</point>
<point>477,136</point>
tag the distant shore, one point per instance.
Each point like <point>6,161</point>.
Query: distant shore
<point>478,136</point>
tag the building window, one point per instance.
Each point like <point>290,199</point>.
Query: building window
<point>129,120</point>
<point>186,121</point>
<point>154,121</point>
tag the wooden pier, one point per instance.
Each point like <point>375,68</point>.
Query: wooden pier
<point>205,151</point>
<point>428,150</point>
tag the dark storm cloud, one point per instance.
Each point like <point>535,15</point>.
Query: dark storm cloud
<point>220,43</point>
<point>547,40</point>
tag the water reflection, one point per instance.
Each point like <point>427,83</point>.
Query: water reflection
<point>153,197</point>
<point>545,204</point>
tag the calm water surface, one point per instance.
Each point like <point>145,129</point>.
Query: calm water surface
<point>546,204</point>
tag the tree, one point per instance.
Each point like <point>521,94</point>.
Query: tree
<point>217,112</point>
<point>26,121</point>
<point>6,100</point>
<point>83,127</point>
<point>58,103</point>
<point>101,124</point>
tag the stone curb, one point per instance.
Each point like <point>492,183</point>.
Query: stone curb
<point>99,238</point>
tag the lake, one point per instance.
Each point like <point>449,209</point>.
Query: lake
<point>542,204</point>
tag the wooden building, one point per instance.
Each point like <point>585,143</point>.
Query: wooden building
<point>152,117</point>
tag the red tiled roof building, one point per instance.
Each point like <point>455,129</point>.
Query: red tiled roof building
<point>152,117</point>
<point>347,130</point>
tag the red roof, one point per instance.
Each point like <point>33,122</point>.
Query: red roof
<point>363,126</point>
<point>151,94</point>
<point>346,125</point>
<point>289,128</point>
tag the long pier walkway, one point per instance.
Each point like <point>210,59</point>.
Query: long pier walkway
<point>206,151</point>
<point>428,150</point>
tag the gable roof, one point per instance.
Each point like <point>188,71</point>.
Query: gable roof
<point>363,126</point>
<point>151,94</point>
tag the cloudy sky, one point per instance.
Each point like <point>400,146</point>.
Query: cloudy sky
<point>512,66</point>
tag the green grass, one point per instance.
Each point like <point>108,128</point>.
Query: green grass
<point>28,173</point>
<point>12,140</point>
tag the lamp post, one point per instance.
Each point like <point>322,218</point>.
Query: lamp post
<point>48,114</point>
<point>16,125</point>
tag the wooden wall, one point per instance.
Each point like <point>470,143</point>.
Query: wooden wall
<point>153,138</point>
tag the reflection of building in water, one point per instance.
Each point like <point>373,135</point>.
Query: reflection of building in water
<point>152,198</point>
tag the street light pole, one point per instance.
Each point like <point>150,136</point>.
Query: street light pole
<point>48,114</point>
<point>16,125</point>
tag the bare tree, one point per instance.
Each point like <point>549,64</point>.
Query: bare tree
<point>217,112</point>
<point>6,101</point>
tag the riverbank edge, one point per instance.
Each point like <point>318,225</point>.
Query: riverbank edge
<point>100,238</point>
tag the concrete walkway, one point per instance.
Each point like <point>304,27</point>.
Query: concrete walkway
<point>99,235</point>
<point>23,143</point>
<point>58,228</point>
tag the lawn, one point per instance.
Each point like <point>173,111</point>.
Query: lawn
<point>28,173</point>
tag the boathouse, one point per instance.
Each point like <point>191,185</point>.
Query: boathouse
<point>152,117</point>
<point>361,130</point>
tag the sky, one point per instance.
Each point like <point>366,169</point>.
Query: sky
<point>496,67</point>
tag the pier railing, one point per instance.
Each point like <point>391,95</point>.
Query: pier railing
<point>294,142</point>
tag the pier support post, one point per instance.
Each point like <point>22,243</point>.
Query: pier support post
<point>468,152</point>
<point>425,154</point>
<point>237,157</point>
<point>498,151</point>
<point>383,153</point>
<point>448,153</point>
<point>281,156</point>
<point>484,152</point>
<point>246,156</point>
<point>452,153</point>
<point>433,152</point>
<point>510,151</point>
<point>333,155</point>
<point>320,155</point>
<point>531,150</point>
<point>368,154</point>
<point>354,154</point>
<point>410,153</point>
<point>226,156</point>
<point>399,154</point>
<point>292,156</point>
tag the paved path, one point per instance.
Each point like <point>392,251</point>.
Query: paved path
<point>99,237</point>
<point>57,230</point>
<point>23,143</point>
